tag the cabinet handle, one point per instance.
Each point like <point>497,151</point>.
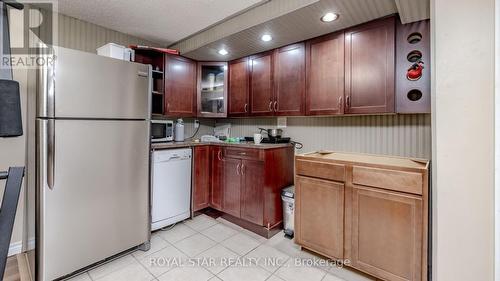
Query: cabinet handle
<point>348,101</point>
<point>275,106</point>
<point>271,106</point>
<point>340,103</point>
<point>219,155</point>
<point>168,106</point>
<point>246,107</point>
<point>242,169</point>
<point>238,169</point>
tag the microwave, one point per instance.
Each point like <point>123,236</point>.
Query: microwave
<point>162,130</point>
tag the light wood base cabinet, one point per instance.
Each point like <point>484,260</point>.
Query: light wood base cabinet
<point>320,215</point>
<point>369,210</point>
<point>386,233</point>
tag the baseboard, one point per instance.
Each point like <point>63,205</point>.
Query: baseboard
<point>17,247</point>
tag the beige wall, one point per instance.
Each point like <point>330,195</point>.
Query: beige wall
<point>463,139</point>
<point>401,135</point>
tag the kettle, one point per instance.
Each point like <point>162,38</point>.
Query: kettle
<point>415,71</point>
<point>179,130</point>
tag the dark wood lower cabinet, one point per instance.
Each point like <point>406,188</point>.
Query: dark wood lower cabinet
<point>252,196</point>
<point>216,168</point>
<point>201,177</point>
<point>231,186</point>
<point>245,183</point>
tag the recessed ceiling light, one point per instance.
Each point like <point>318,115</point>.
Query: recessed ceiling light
<point>266,38</point>
<point>223,52</point>
<point>328,17</point>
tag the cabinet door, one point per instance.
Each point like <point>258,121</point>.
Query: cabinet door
<point>261,84</point>
<point>289,80</point>
<point>180,86</point>
<point>319,216</point>
<point>238,88</point>
<point>231,186</point>
<point>386,233</point>
<point>369,67</point>
<point>201,180</point>
<point>217,168</point>
<point>325,75</point>
<point>212,89</point>
<point>252,197</point>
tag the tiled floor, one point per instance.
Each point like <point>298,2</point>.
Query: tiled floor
<point>214,249</point>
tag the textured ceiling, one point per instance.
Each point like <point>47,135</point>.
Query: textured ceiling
<point>301,24</point>
<point>199,28</point>
<point>162,21</point>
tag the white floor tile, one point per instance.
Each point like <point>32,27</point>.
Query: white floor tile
<point>331,277</point>
<point>82,277</point>
<point>215,278</point>
<point>218,258</point>
<point>200,222</point>
<point>187,273</point>
<point>255,236</point>
<point>274,278</point>
<point>349,274</point>
<point>284,245</point>
<point>131,272</point>
<point>157,243</point>
<point>268,258</point>
<point>111,266</point>
<point>195,245</point>
<point>177,233</point>
<point>219,232</point>
<point>163,260</point>
<point>244,273</point>
<point>292,272</point>
<point>240,243</point>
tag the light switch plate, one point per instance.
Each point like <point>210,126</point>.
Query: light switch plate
<point>281,122</point>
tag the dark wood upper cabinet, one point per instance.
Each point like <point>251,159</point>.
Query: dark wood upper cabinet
<point>239,83</point>
<point>201,177</point>
<point>289,80</point>
<point>261,84</point>
<point>325,75</point>
<point>370,66</point>
<point>212,89</point>
<point>180,86</point>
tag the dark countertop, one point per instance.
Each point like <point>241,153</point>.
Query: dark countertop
<point>169,145</point>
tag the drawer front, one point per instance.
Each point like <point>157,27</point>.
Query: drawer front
<point>243,153</point>
<point>322,170</point>
<point>388,179</point>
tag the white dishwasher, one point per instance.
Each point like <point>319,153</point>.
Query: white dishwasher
<point>171,194</point>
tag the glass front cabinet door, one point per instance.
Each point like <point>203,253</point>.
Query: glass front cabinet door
<point>212,89</point>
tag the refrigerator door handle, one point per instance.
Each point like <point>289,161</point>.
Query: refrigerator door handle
<point>51,153</point>
<point>46,77</point>
<point>143,74</point>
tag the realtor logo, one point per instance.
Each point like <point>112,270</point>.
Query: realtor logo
<point>33,33</point>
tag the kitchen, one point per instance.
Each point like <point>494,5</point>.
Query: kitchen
<point>335,98</point>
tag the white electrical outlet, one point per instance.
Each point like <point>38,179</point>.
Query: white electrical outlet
<point>281,122</point>
<point>196,124</point>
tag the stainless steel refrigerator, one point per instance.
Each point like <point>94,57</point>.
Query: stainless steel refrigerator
<point>92,161</point>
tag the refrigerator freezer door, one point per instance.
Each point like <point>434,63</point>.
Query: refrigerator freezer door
<point>83,85</point>
<point>98,205</point>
